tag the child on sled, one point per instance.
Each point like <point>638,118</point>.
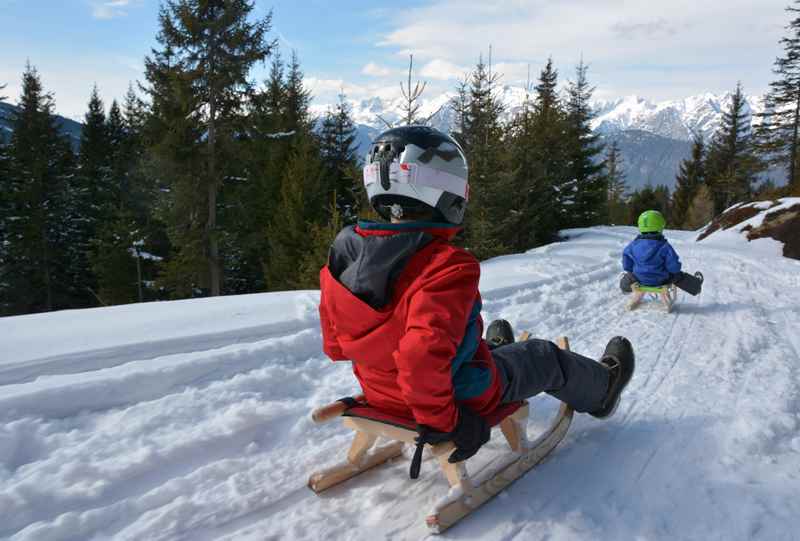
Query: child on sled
<point>401,301</point>
<point>650,260</point>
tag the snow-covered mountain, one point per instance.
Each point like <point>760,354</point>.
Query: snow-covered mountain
<point>676,119</point>
<point>653,136</point>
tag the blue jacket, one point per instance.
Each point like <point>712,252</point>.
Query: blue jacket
<point>651,259</point>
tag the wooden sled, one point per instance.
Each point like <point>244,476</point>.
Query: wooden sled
<point>466,493</point>
<point>668,294</point>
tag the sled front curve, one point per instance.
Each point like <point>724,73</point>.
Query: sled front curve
<point>466,493</point>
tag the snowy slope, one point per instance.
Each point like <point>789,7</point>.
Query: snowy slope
<point>189,420</point>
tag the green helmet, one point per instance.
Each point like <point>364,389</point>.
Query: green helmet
<point>651,221</point>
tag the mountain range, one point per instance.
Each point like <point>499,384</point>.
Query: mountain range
<point>653,136</point>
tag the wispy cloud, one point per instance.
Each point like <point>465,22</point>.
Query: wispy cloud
<point>374,70</point>
<point>443,70</point>
<point>110,9</point>
<point>611,35</point>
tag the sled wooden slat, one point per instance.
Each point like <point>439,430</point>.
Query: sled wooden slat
<point>452,510</point>
<point>325,479</point>
<point>449,514</point>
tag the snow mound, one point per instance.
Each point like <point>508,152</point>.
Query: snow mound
<point>778,220</point>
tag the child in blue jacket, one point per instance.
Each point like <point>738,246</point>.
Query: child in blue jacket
<point>651,261</point>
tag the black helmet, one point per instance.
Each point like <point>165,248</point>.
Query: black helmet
<point>417,168</point>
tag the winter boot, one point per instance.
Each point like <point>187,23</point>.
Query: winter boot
<point>618,358</point>
<point>499,333</point>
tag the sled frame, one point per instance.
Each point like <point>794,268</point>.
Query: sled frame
<point>668,294</point>
<point>466,493</point>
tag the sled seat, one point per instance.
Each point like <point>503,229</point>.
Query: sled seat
<point>365,411</point>
<point>651,289</point>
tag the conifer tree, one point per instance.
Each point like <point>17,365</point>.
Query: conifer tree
<point>338,151</point>
<point>38,229</point>
<point>298,98</point>
<point>701,210</point>
<point>690,177</point>
<point>552,191</point>
<point>93,194</point>
<point>297,212</point>
<point>207,50</point>
<point>732,165</point>
<point>482,138</point>
<point>617,186</point>
<point>648,198</point>
<point>585,170</point>
<point>779,130</point>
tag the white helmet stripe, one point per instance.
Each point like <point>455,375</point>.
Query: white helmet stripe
<point>418,175</point>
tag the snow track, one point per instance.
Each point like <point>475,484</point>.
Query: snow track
<point>189,420</point>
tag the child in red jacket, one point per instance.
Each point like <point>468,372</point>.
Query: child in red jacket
<point>401,302</point>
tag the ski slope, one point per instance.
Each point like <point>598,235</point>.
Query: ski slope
<point>189,420</point>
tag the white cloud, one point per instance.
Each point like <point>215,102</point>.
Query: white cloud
<point>443,70</point>
<point>374,70</point>
<point>110,9</point>
<point>652,48</point>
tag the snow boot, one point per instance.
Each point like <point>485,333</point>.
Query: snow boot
<point>499,333</point>
<point>691,284</point>
<point>618,358</point>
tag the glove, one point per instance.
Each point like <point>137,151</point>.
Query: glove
<point>470,433</point>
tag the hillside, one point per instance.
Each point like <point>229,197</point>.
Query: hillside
<point>188,420</point>
<point>68,127</point>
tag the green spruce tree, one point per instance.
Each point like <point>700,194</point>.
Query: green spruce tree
<point>199,88</point>
<point>617,186</point>
<point>690,177</point>
<point>777,134</point>
<point>337,145</point>
<point>482,137</point>
<point>589,184</point>
<point>38,227</point>
<point>732,165</point>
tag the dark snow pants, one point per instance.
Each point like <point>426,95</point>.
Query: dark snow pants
<point>690,284</point>
<point>534,366</point>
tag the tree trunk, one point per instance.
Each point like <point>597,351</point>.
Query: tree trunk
<point>793,151</point>
<point>211,223</point>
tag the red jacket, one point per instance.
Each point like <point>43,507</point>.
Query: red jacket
<point>402,303</point>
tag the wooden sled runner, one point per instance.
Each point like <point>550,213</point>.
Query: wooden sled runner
<point>466,493</point>
<point>668,294</point>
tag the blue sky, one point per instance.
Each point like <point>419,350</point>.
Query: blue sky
<point>660,50</point>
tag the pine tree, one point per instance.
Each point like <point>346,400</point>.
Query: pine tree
<point>550,195</point>
<point>298,98</point>
<point>482,138</point>
<point>701,210</point>
<point>648,198</point>
<point>732,165</point>
<point>93,193</point>
<point>617,187</point>
<point>337,146</point>
<point>690,177</point>
<point>585,170</point>
<point>208,48</point>
<point>780,122</point>
<point>297,212</point>
<point>38,229</point>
